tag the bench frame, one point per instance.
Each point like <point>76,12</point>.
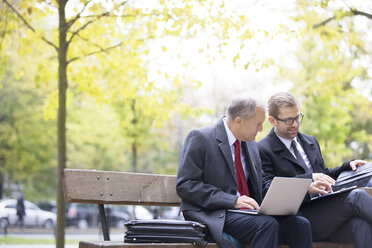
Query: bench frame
<point>124,188</point>
<point>108,187</point>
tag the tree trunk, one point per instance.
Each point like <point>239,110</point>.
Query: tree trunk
<point>134,143</point>
<point>62,86</point>
<point>1,185</point>
<point>134,157</point>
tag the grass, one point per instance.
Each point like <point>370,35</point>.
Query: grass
<point>9,240</point>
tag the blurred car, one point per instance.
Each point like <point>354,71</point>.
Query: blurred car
<point>35,217</point>
<point>81,215</point>
<point>48,206</point>
<point>140,213</point>
<point>171,213</point>
<point>117,215</point>
<point>120,214</point>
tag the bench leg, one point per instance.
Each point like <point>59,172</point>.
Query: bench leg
<point>102,215</point>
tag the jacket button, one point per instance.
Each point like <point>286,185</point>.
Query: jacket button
<point>221,216</point>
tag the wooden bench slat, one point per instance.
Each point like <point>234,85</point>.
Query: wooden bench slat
<point>116,244</point>
<point>108,187</point>
<point>113,244</point>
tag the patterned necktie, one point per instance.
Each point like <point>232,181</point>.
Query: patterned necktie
<point>300,159</point>
<point>240,176</point>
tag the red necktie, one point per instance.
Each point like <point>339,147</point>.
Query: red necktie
<point>240,176</point>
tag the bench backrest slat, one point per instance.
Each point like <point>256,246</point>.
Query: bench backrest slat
<point>107,187</point>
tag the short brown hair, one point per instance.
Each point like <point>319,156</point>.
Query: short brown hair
<point>281,99</point>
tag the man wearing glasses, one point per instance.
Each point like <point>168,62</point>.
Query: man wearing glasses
<point>285,152</point>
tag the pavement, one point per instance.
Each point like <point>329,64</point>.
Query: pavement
<point>37,246</point>
<point>90,234</point>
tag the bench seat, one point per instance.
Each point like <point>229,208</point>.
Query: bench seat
<point>116,244</point>
<point>125,188</point>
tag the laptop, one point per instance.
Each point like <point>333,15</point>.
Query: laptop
<point>284,197</point>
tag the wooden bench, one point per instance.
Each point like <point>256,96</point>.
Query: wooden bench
<point>123,188</point>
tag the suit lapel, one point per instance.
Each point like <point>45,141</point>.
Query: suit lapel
<point>223,145</point>
<point>309,149</point>
<point>277,146</point>
<point>247,150</point>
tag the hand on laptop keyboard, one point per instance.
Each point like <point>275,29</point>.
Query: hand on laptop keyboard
<point>246,202</point>
<point>320,187</point>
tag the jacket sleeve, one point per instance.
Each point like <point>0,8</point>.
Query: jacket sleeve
<point>332,172</point>
<point>268,170</point>
<point>190,185</point>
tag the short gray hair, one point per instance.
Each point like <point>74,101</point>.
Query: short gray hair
<point>243,108</point>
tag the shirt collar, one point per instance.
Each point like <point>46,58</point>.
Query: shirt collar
<point>230,136</point>
<point>287,142</point>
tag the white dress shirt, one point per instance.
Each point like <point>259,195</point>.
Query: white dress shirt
<point>287,144</point>
<point>231,138</point>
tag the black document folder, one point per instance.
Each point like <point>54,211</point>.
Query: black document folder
<point>165,231</point>
<point>349,180</point>
<point>358,178</point>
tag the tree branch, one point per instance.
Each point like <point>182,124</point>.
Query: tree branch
<point>50,4</point>
<point>88,41</point>
<point>79,29</point>
<point>101,50</point>
<point>123,16</point>
<point>352,10</point>
<point>89,22</point>
<point>28,25</point>
<point>72,21</point>
<point>324,22</point>
<point>357,12</point>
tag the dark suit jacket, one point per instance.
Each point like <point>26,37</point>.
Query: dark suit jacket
<point>206,178</point>
<point>277,160</point>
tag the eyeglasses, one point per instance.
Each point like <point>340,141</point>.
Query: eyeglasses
<point>290,121</point>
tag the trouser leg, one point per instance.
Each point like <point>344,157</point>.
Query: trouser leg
<point>330,213</point>
<point>359,202</point>
<point>356,231</point>
<point>257,231</point>
<point>369,184</point>
<point>294,231</point>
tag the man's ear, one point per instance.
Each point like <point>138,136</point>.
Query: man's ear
<point>271,120</point>
<point>238,120</point>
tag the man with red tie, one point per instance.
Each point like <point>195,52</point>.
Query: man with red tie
<point>219,169</point>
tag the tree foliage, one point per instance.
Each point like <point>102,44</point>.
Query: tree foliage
<point>26,156</point>
<point>84,31</point>
<point>94,59</point>
<point>332,70</point>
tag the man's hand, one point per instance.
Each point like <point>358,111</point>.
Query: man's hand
<point>356,163</point>
<point>246,202</point>
<point>320,187</point>
<point>324,178</point>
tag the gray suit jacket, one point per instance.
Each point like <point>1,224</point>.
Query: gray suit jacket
<point>206,178</point>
